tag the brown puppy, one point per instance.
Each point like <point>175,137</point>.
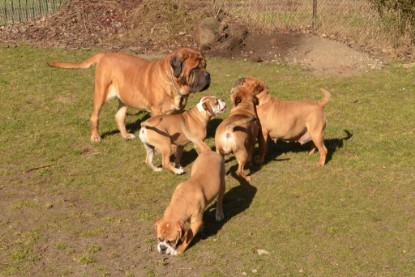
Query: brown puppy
<point>239,132</point>
<point>183,217</point>
<point>161,86</point>
<point>160,132</point>
<point>300,121</point>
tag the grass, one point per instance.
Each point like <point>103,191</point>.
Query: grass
<point>72,207</point>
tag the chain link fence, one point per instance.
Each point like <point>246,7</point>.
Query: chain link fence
<point>356,22</point>
<point>352,21</point>
<point>20,11</point>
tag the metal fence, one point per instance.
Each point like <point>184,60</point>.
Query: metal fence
<point>19,11</point>
<point>354,21</point>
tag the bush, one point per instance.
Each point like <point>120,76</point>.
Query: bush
<point>404,10</point>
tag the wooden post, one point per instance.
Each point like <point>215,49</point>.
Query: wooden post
<point>314,21</point>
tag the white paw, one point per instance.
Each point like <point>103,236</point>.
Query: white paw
<point>179,171</point>
<point>157,169</point>
<point>95,138</point>
<point>129,136</point>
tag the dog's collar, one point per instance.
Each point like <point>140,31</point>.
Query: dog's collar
<point>175,87</point>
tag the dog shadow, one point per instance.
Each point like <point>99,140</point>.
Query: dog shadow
<point>235,201</point>
<point>212,126</point>
<point>132,127</point>
<point>281,147</point>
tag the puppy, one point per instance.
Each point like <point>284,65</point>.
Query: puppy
<point>183,217</point>
<point>301,121</point>
<point>160,132</point>
<point>239,132</point>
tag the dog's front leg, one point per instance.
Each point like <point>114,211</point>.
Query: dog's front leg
<point>195,226</point>
<point>178,156</point>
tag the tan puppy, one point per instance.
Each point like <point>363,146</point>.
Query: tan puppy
<point>300,121</point>
<point>183,217</point>
<point>160,132</point>
<point>239,132</point>
<point>161,86</point>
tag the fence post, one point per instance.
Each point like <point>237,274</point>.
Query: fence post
<point>314,21</point>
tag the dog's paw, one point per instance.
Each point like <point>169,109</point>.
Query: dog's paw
<point>157,169</point>
<point>173,253</point>
<point>95,138</point>
<point>129,136</point>
<point>258,160</point>
<point>179,171</point>
<point>219,216</point>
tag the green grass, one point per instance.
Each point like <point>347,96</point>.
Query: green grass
<point>72,207</point>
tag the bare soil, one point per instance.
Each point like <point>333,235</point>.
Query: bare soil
<point>131,26</point>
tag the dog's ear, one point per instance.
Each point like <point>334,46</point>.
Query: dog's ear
<point>256,100</point>
<point>236,99</point>
<point>206,106</point>
<point>180,229</point>
<point>239,82</point>
<point>259,87</point>
<point>156,226</point>
<point>177,63</point>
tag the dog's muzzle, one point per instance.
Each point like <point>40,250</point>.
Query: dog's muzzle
<point>202,81</point>
<point>165,248</point>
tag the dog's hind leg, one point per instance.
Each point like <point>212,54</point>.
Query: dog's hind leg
<point>150,156</point>
<point>120,118</point>
<point>242,158</point>
<point>165,156</point>
<point>219,202</point>
<point>318,141</point>
<point>100,96</point>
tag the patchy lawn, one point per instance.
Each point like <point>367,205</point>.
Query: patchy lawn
<point>72,207</point>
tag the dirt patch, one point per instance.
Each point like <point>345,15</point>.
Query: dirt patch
<point>312,52</point>
<point>144,29</point>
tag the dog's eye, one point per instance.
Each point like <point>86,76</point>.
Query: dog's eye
<point>172,243</point>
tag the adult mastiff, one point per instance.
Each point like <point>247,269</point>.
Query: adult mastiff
<point>161,86</point>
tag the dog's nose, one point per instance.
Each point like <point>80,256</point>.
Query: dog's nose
<point>207,76</point>
<point>163,248</point>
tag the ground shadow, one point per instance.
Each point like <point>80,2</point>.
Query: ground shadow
<point>212,126</point>
<point>235,201</point>
<point>132,127</point>
<point>281,147</point>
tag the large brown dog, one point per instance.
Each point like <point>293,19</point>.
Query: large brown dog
<point>190,199</point>
<point>239,132</point>
<point>161,131</point>
<point>161,87</point>
<point>301,121</point>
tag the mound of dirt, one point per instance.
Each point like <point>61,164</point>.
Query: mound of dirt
<point>312,52</point>
<point>159,26</point>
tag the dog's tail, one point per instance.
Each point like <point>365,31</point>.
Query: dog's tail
<point>236,123</point>
<point>323,102</point>
<point>200,146</point>
<point>84,64</point>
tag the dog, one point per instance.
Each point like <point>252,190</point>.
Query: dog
<point>240,131</point>
<point>183,217</point>
<point>160,87</point>
<point>160,132</point>
<point>300,121</point>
